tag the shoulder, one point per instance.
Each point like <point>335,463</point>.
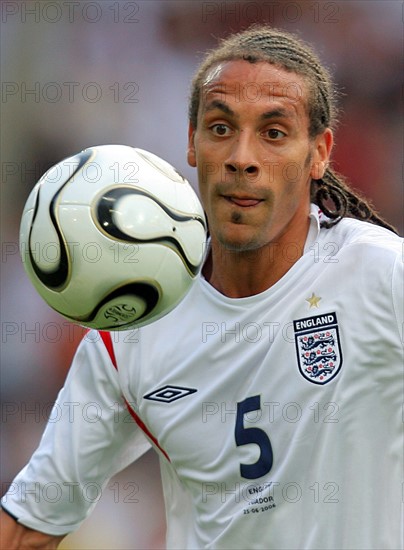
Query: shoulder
<point>370,259</point>
<point>128,344</point>
<point>352,236</point>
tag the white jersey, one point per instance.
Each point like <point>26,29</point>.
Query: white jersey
<point>278,417</point>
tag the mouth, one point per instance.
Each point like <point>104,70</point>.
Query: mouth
<point>243,202</point>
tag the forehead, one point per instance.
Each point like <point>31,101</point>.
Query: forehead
<point>240,80</point>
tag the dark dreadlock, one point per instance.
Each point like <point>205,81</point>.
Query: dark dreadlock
<point>261,43</point>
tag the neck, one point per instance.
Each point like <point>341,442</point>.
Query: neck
<point>238,274</point>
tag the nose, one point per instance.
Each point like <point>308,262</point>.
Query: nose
<point>242,157</point>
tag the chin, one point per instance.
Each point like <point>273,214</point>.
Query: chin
<point>240,244</point>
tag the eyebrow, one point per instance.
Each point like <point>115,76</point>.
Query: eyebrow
<point>275,113</point>
<point>217,104</point>
<point>268,115</point>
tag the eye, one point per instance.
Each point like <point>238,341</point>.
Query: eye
<point>274,133</point>
<point>220,129</point>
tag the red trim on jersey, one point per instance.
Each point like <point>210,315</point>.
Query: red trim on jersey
<point>146,430</point>
<point>106,338</point>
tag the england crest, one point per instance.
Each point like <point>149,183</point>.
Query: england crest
<point>318,347</point>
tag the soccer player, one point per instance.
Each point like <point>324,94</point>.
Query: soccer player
<point>273,393</point>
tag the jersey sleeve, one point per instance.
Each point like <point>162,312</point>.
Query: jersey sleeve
<point>89,437</point>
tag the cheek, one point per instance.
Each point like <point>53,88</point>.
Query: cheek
<point>297,175</point>
<point>297,168</point>
<point>203,191</point>
<point>292,174</point>
<point>294,190</point>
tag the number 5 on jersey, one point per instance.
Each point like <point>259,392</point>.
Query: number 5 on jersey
<point>245,436</point>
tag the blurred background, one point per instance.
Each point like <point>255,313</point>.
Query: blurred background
<point>76,74</point>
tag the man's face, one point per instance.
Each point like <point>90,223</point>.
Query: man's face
<point>253,154</point>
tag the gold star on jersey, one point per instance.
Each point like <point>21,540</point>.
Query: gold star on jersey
<point>313,300</point>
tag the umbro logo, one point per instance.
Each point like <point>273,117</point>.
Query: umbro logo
<point>168,394</point>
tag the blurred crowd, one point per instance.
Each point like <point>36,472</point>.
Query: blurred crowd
<point>81,74</point>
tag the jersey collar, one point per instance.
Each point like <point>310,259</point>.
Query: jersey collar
<point>314,229</point>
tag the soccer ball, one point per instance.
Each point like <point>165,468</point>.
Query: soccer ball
<point>113,237</point>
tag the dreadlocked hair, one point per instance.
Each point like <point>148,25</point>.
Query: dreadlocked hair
<point>345,203</point>
<point>261,43</point>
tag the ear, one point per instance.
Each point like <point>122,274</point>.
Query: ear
<point>322,150</point>
<point>191,155</point>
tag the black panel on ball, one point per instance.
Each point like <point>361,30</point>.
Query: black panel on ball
<point>139,289</point>
<point>107,205</point>
<point>58,278</point>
